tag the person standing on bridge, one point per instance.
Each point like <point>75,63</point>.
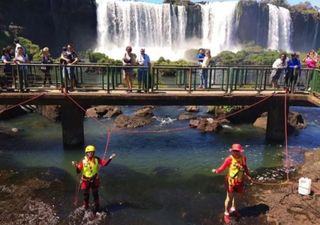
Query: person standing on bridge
<point>278,68</point>
<point>128,60</point>
<point>144,73</point>
<point>200,56</point>
<point>238,170</point>
<point>90,166</point>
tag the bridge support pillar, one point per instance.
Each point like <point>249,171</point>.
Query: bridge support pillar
<point>276,122</point>
<point>72,125</point>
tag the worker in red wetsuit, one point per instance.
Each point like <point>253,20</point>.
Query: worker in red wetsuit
<point>90,166</point>
<point>238,170</point>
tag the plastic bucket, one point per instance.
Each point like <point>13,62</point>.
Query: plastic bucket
<point>304,186</point>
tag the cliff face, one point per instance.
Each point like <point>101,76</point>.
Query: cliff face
<point>306,33</point>
<point>253,19</point>
<point>53,23</point>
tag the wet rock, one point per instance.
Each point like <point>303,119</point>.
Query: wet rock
<point>206,124</point>
<point>192,108</point>
<point>186,116</point>
<point>51,112</point>
<point>146,111</point>
<point>123,121</point>
<point>103,111</point>
<point>261,122</point>
<point>296,121</point>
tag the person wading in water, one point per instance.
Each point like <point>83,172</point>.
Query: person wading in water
<point>90,180</point>
<point>238,170</point>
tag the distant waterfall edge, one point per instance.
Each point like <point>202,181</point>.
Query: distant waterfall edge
<point>169,30</point>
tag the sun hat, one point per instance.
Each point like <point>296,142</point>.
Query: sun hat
<point>237,148</point>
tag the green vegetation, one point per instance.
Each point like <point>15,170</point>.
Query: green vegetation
<point>252,55</point>
<point>32,49</point>
<point>97,57</point>
<point>306,8</point>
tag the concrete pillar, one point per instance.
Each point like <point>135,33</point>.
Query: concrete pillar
<point>72,125</point>
<point>276,121</point>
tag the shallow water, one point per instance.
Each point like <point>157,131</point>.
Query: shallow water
<point>157,178</point>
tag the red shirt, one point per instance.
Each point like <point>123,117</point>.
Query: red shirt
<point>227,162</point>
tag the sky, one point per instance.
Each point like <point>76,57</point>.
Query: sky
<point>292,2</point>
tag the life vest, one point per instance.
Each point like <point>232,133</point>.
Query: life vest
<point>236,171</point>
<point>90,167</point>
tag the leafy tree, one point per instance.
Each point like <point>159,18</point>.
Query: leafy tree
<point>33,50</point>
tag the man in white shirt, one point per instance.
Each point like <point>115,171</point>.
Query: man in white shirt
<point>143,73</point>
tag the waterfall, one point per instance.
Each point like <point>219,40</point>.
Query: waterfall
<point>158,27</point>
<point>280,27</point>
<point>218,25</point>
<point>161,28</point>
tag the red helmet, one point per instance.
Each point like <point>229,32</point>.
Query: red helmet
<point>236,147</point>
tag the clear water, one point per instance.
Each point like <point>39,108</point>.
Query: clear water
<point>162,175</point>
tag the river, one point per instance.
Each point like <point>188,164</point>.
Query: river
<point>157,177</point>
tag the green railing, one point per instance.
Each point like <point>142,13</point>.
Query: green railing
<point>94,77</point>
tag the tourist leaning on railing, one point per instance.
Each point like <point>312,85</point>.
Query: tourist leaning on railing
<point>21,58</point>
<point>293,72</point>
<point>278,68</point>
<point>311,62</point>
<point>6,58</point>
<point>205,65</point>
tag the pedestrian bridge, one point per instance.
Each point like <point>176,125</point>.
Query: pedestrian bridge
<point>102,84</point>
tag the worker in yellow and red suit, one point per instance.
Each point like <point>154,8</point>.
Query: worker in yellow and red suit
<point>238,170</point>
<point>90,180</point>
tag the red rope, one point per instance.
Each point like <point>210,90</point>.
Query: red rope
<point>286,136</point>
<point>22,103</point>
<point>250,106</point>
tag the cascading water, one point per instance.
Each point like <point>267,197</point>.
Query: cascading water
<point>161,28</point>
<point>218,25</point>
<point>280,26</point>
<point>158,27</point>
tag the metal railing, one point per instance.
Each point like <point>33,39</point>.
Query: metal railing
<point>94,77</point>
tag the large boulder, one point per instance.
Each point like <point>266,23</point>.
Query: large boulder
<point>141,117</point>
<point>261,122</point>
<point>206,124</point>
<point>145,111</point>
<point>186,116</point>
<point>295,121</point>
<point>192,108</point>
<point>103,111</point>
<point>51,112</point>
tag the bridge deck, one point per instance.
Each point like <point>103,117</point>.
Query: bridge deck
<point>54,97</point>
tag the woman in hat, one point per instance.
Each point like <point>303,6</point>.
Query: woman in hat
<point>238,170</point>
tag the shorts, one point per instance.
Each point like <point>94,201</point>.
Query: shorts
<point>236,188</point>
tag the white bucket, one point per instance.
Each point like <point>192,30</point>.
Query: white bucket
<point>304,186</point>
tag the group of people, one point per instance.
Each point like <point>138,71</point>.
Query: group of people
<point>236,163</point>
<point>130,59</point>
<point>203,59</point>
<point>18,55</point>
<point>291,68</point>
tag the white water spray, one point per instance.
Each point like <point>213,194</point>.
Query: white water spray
<point>280,26</point>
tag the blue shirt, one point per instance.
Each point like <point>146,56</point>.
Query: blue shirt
<point>200,57</point>
<point>294,63</point>
<point>144,60</point>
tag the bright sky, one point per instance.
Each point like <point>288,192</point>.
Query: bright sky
<point>292,2</point>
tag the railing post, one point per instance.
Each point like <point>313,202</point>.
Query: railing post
<point>190,80</point>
